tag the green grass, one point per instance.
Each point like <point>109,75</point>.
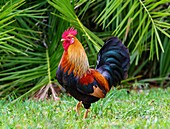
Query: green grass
<point>147,109</point>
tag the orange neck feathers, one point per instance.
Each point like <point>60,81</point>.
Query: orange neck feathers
<point>75,59</point>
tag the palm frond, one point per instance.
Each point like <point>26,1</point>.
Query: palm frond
<point>22,59</point>
<point>143,20</point>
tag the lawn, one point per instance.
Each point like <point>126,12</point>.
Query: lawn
<point>147,109</point>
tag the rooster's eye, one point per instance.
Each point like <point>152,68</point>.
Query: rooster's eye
<point>72,40</point>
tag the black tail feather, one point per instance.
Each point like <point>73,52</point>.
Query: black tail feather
<point>113,61</point>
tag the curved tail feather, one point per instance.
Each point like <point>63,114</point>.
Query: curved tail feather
<point>113,61</point>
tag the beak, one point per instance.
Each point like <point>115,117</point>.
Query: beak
<point>62,40</point>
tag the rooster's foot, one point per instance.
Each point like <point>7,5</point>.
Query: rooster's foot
<point>78,106</point>
<point>86,113</point>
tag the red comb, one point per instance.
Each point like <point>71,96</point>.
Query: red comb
<point>70,31</point>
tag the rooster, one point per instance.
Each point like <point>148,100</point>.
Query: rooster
<point>85,84</point>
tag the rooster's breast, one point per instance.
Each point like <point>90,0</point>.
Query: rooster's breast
<point>70,83</point>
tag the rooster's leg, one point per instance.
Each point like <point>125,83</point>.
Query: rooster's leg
<point>78,106</point>
<point>86,113</point>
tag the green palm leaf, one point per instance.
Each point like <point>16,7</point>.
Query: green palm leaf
<point>145,20</point>
<point>23,58</point>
